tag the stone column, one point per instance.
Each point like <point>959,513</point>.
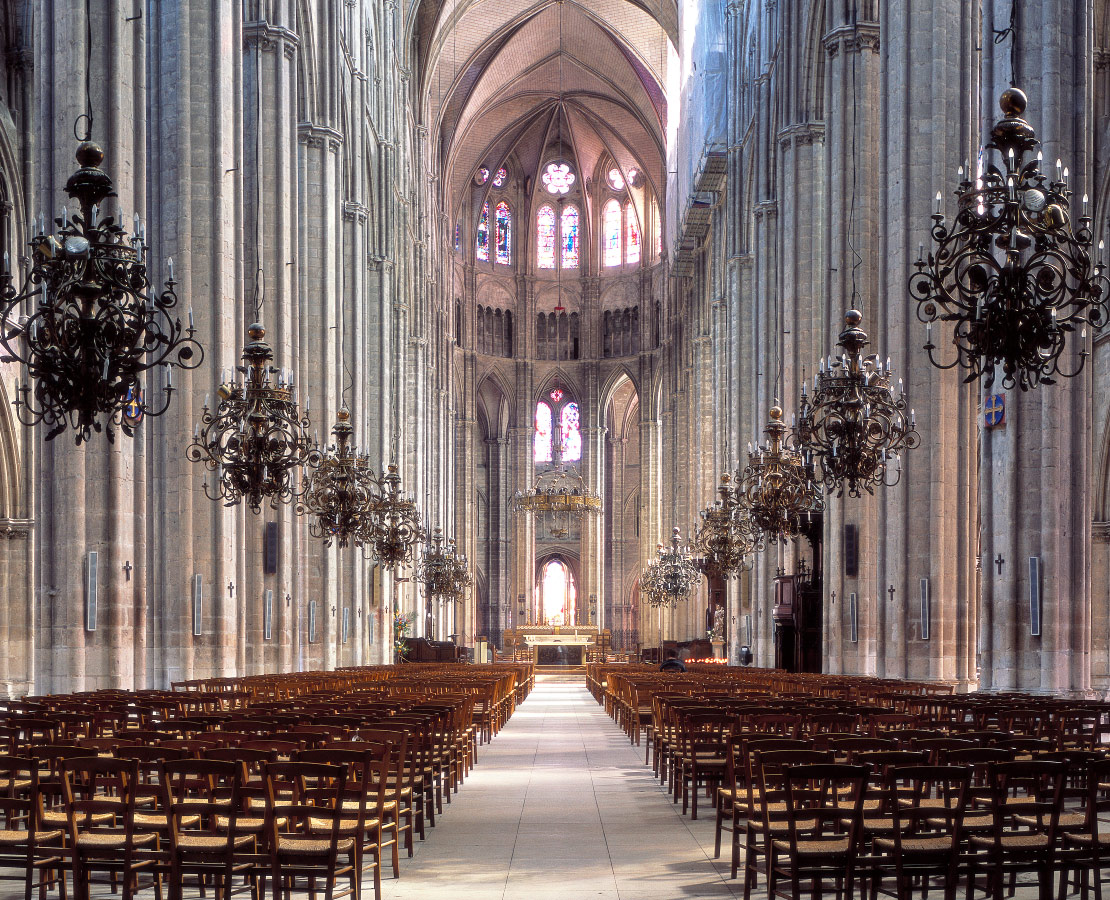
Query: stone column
<point>1036,468</point>
<point>926,524</point>
<point>88,499</point>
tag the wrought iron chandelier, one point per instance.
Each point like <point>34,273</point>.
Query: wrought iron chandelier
<point>86,323</point>
<point>339,494</point>
<point>670,576</point>
<point>854,428</point>
<point>1011,275</point>
<point>725,539</point>
<point>394,529</point>
<point>256,438</point>
<point>443,570</point>
<point>562,496</point>
<point>777,487</point>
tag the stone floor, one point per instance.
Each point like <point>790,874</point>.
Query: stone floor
<point>562,806</point>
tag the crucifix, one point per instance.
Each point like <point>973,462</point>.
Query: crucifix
<point>998,562</point>
<point>231,589</point>
<point>890,590</point>
<point>127,567</point>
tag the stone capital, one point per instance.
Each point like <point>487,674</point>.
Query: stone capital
<point>852,39</point>
<point>16,529</point>
<point>319,136</point>
<point>803,135</point>
<point>269,37</point>
<point>1100,532</point>
<point>353,211</point>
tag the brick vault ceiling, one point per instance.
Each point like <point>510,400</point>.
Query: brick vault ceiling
<point>507,79</point>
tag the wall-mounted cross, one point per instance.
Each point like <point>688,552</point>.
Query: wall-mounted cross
<point>231,589</point>
<point>127,568</point>
<point>890,590</point>
<point>998,562</point>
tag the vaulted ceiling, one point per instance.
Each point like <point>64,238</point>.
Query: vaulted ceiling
<point>508,78</point>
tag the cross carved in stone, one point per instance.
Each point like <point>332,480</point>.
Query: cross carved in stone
<point>890,590</point>
<point>998,562</point>
<point>127,567</point>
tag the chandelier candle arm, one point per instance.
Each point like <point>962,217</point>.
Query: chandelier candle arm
<point>777,487</point>
<point>853,426</point>
<point>255,439</point>
<point>1011,274</point>
<point>86,324</point>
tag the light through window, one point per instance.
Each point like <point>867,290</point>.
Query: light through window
<point>545,238</point>
<point>616,179</point>
<point>481,176</point>
<point>558,595</point>
<point>570,237</point>
<point>482,251</point>
<point>632,241</point>
<point>611,233</point>
<point>504,233</point>
<point>542,441</point>
<point>571,445</point>
<point>500,178</point>
<point>557,178</point>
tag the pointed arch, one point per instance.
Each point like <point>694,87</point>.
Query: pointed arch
<point>545,237</point>
<point>481,249</point>
<point>569,238</point>
<point>611,233</point>
<point>503,236</point>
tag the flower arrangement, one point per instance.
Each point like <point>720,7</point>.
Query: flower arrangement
<point>402,626</point>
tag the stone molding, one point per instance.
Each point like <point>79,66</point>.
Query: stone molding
<point>1100,532</point>
<point>1102,57</point>
<point>319,136</point>
<point>852,39</point>
<point>21,60</point>
<point>803,135</point>
<point>269,37</point>
<point>16,529</point>
<point>353,211</point>
<point>766,209</point>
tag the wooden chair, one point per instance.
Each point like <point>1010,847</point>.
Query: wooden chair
<point>767,796</point>
<point>100,813</point>
<point>927,834</point>
<point>1084,850</point>
<point>702,757</point>
<point>305,832</point>
<point>1025,809</point>
<point>24,843</point>
<point>824,812</point>
<point>362,801</point>
<point>194,792</point>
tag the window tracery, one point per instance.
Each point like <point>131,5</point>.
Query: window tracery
<point>632,238</point>
<point>504,233</point>
<point>611,233</point>
<point>569,232</point>
<point>482,251</point>
<point>545,238</point>
<point>542,443</point>
<point>558,178</point>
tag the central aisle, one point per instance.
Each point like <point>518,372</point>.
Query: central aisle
<point>561,806</point>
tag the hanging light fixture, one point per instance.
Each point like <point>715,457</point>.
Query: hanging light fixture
<point>1010,274</point>
<point>436,568</point>
<point>86,324</point>
<point>339,494</point>
<point>394,529</point>
<point>854,428</point>
<point>670,576</point>
<point>256,438</point>
<point>560,494</point>
<point>725,539</point>
<point>777,487</point>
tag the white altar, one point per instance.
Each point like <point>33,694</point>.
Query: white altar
<point>557,649</point>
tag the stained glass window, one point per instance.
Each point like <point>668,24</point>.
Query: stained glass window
<point>556,395</point>
<point>632,240</point>
<point>557,178</point>
<point>481,176</point>
<point>570,237</point>
<point>571,444</point>
<point>500,178</point>
<point>504,233</point>
<point>634,177</point>
<point>616,179</point>
<point>458,238</point>
<point>611,233</point>
<point>545,238</point>
<point>483,235</point>
<point>542,442</point>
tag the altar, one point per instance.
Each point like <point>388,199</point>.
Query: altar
<point>551,645</point>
